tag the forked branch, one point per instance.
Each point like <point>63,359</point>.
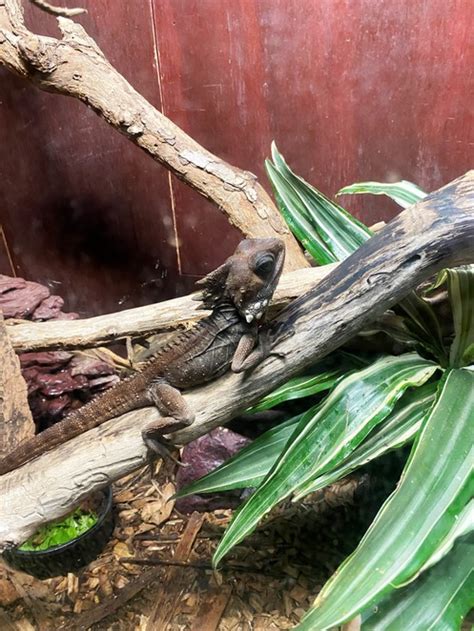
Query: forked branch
<point>75,66</point>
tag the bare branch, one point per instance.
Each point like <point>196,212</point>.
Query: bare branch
<point>435,233</point>
<point>75,66</point>
<point>163,317</point>
<point>62,11</point>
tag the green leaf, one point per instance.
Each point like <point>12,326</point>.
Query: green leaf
<point>249,466</point>
<point>295,216</point>
<point>341,233</point>
<point>404,193</point>
<point>437,601</point>
<point>461,297</point>
<point>323,439</point>
<point>463,526</point>
<point>423,325</point>
<point>399,428</point>
<point>435,486</point>
<point>322,376</point>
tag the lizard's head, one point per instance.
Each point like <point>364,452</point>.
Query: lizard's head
<point>248,278</point>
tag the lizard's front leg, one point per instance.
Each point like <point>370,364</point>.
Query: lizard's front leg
<point>251,350</point>
<point>176,415</point>
<point>255,346</point>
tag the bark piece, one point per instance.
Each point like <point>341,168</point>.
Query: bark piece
<point>16,422</point>
<point>176,579</point>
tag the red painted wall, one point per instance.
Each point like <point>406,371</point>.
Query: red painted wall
<point>350,90</point>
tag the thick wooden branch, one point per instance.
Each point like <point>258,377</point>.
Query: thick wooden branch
<point>16,422</point>
<point>435,233</point>
<point>75,66</point>
<point>163,317</point>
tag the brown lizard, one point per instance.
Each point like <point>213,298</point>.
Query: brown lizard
<point>237,293</point>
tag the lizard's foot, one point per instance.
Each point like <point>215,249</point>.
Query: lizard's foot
<point>161,449</point>
<point>156,443</point>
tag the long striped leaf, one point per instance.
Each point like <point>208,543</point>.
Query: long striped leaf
<point>461,297</point>
<point>323,440</point>
<point>400,427</point>
<point>404,193</point>
<point>436,485</point>
<point>463,526</point>
<point>295,216</point>
<point>321,377</point>
<point>437,601</point>
<point>341,233</point>
<point>423,324</point>
<point>249,466</point>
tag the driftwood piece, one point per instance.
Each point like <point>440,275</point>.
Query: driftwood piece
<point>16,422</point>
<point>75,66</point>
<point>141,321</point>
<point>435,233</point>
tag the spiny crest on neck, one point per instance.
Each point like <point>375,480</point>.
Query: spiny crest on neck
<point>247,279</point>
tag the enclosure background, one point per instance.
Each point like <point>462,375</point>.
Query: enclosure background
<point>349,89</point>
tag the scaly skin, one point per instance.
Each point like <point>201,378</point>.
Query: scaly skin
<point>237,293</point>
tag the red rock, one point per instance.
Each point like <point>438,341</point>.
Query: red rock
<point>90,366</point>
<point>21,302</point>
<point>7,283</point>
<point>53,359</point>
<point>59,383</point>
<point>204,455</point>
<point>49,308</point>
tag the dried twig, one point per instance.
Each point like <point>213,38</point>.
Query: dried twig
<point>57,11</point>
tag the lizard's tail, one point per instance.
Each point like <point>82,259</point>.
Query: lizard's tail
<point>112,403</point>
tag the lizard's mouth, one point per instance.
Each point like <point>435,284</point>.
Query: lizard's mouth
<point>255,310</point>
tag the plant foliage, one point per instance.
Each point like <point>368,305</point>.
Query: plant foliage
<point>425,397</point>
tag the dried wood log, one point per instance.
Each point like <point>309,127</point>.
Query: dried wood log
<point>141,321</point>
<point>16,422</point>
<point>435,233</point>
<point>75,66</point>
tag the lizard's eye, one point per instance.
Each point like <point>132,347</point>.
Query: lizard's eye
<point>265,265</point>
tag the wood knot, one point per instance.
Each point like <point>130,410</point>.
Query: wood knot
<point>37,54</point>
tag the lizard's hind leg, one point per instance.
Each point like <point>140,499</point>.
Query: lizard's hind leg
<point>176,415</point>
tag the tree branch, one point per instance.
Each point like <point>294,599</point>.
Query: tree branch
<point>16,421</point>
<point>63,11</point>
<point>435,233</point>
<point>75,66</point>
<point>162,317</point>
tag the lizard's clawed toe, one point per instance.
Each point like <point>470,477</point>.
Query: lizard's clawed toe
<point>161,449</point>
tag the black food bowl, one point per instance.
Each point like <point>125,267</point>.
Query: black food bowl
<point>73,555</point>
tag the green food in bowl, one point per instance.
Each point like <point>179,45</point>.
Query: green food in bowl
<point>59,532</point>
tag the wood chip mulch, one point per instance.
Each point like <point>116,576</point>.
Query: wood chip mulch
<point>155,573</point>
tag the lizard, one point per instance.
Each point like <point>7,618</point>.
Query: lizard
<point>232,336</point>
